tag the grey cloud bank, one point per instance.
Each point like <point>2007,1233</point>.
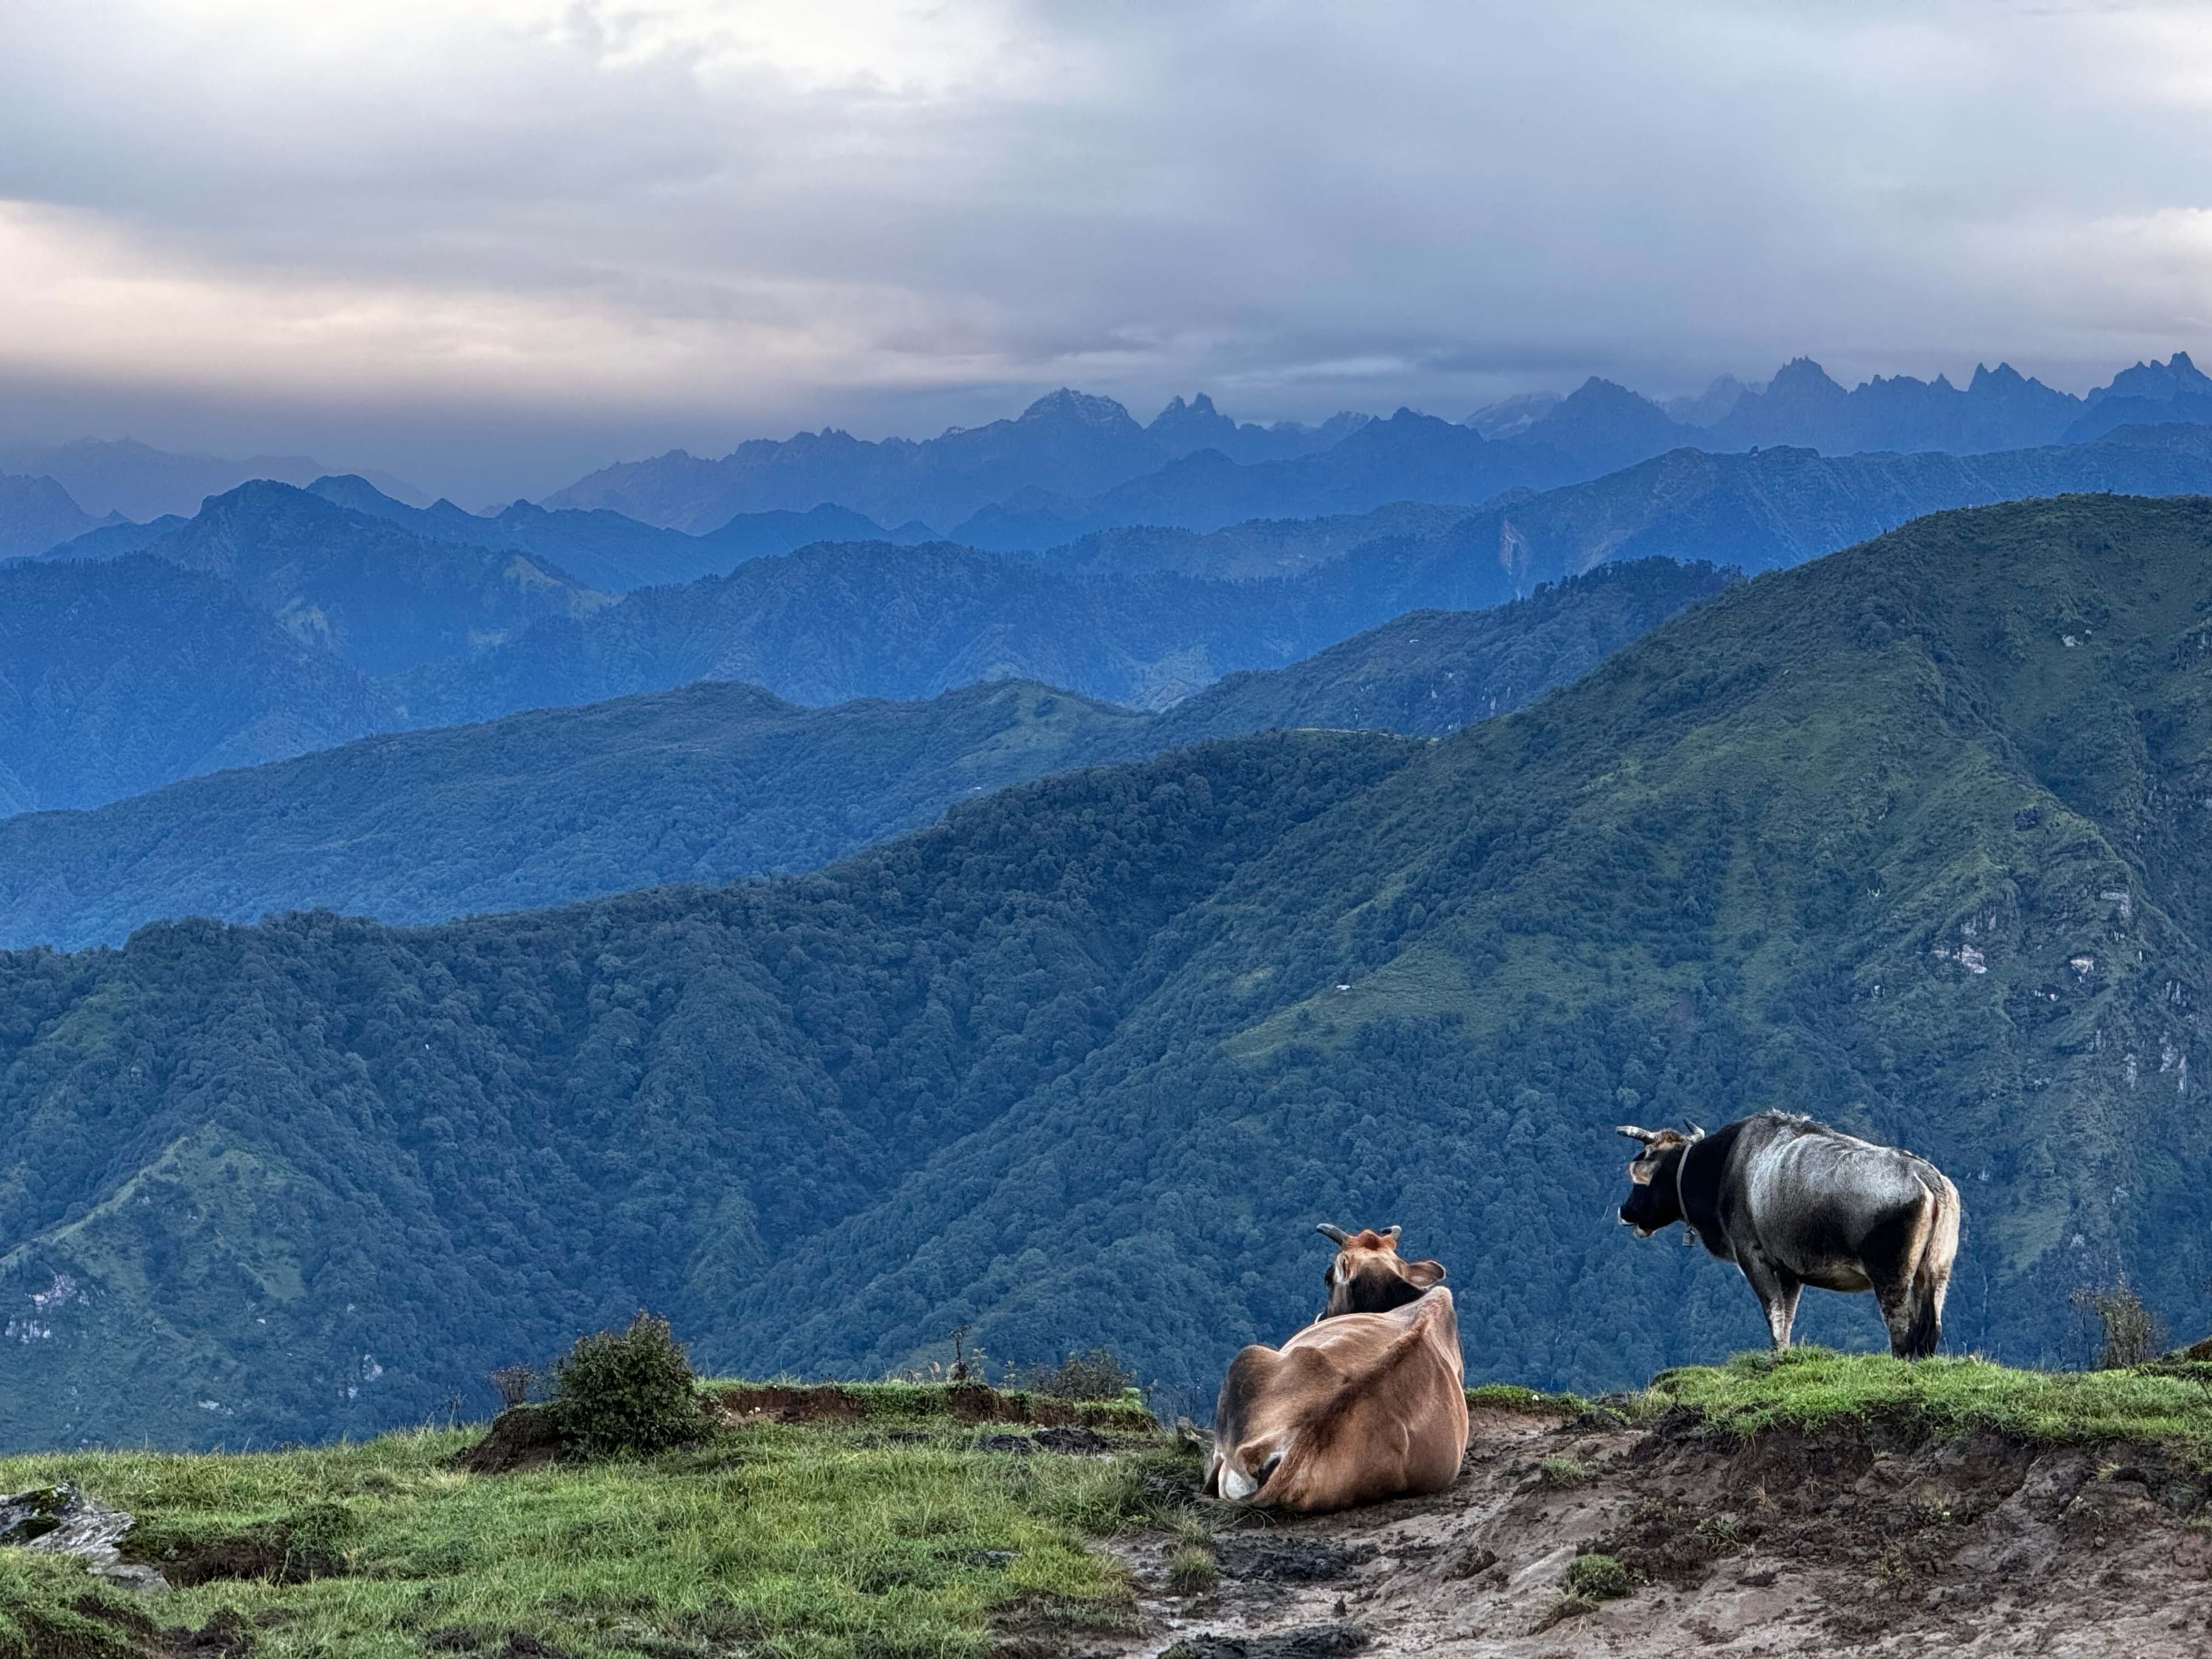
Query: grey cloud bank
<point>490,247</point>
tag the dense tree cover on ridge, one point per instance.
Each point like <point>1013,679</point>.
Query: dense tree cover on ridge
<point>1913,837</point>
<point>117,677</point>
<point>718,780</point>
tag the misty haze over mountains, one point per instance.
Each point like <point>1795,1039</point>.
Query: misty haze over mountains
<point>1072,463</point>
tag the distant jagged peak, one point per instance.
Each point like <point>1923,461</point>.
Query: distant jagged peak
<point>1599,394</point>
<point>1200,404</point>
<point>1801,379</point>
<point>2157,382</point>
<point>1198,415</point>
<point>1082,407</point>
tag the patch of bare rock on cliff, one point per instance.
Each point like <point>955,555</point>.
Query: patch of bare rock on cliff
<point>1861,1538</point>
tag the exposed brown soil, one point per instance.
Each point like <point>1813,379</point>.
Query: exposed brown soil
<point>292,1550</point>
<point>107,1630</point>
<point>1074,1441</point>
<point>267,1552</point>
<point>1858,1539</point>
<point>521,1438</point>
<point>966,1403</point>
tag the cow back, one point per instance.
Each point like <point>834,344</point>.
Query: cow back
<point>1351,1410</point>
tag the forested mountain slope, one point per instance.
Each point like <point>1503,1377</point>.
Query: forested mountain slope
<point>859,619</point>
<point>1913,837</point>
<point>711,782</point>
<point>116,678</point>
<point>719,780</point>
<point>373,593</point>
<point>1429,673</point>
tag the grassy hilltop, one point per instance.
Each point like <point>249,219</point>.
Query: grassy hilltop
<point>897,1525</point>
<point>1915,837</point>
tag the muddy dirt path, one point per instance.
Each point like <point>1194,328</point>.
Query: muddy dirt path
<point>1852,1540</point>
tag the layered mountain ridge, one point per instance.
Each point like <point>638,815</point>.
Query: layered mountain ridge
<point>438,632</point>
<point>719,780</point>
<point>1908,836</point>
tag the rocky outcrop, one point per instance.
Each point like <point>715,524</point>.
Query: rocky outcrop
<point>62,1521</point>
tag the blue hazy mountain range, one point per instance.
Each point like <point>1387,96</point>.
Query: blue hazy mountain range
<point>1072,462</point>
<point>341,623</point>
<point>719,780</point>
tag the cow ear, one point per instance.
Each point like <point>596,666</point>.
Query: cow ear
<point>1425,1273</point>
<point>1640,1173</point>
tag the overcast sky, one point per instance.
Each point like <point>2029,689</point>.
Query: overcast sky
<point>488,243</point>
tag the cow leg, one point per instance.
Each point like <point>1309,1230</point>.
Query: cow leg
<point>1900,1311</point>
<point>1777,1289</point>
<point>1908,1257</point>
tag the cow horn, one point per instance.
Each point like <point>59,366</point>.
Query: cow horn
<point>1334,1235</point>
<point>1696,1133</point>
<point>1647,1136</point>
<point>1391,1233</point>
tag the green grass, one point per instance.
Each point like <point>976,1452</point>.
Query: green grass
<point>1809,1386</point>
<point>1511,1396</point>
<point>801,1541</point>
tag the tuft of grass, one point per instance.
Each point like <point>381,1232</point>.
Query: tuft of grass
<point>813,1542</point>
<point>1565,1471</point>
<point>1809,1386</point>
<point>1192,1569</point>
<point>1590,1581</point>
<point>1598,1578</point>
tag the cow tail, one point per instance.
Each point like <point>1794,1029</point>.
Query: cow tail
<point>1939,1245</point>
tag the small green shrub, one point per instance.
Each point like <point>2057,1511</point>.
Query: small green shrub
<point>629,1392</point>
<point>1598,1578</point>
<point>1192,1569</point>
<point>2132,1332</point>
<point>1100,1374</point>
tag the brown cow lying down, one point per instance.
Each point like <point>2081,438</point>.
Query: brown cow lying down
<point>1368,1402</point>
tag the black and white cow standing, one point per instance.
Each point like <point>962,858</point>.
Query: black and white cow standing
<point>1793,1203</point>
